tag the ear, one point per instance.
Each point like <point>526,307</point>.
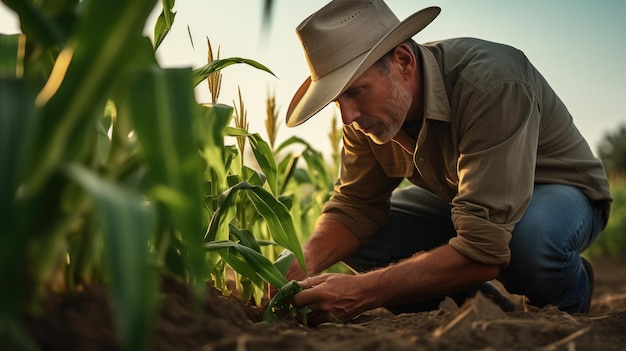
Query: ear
<point>405,60</point>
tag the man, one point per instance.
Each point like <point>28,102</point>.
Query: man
<point>505,187</point>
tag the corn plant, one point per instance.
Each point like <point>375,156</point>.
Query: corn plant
<point>111,172</point>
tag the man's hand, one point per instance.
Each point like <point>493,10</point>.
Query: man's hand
<point>334,297</point>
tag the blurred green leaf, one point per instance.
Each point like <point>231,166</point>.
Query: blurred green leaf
<point>17,113</point>
<point>162,107</point>
<point>35,24</point>
<point>127,223</point>
<point>110,33</point>
<point>11,65</point>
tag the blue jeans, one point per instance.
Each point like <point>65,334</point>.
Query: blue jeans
<point>545,266</point>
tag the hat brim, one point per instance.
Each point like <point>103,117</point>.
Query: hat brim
<point>314,95</point>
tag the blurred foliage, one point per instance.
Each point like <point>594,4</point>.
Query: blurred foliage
<point>111,172</point>
<point>611,241</point>
<point>612,150</point>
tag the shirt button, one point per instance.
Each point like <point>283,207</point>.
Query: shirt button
<point>421,159</point>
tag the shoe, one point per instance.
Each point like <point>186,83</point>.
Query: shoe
<point>589,270</point>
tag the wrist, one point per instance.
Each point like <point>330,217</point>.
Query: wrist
<point>372,286</point>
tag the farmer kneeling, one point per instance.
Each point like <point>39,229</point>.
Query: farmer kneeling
<point>504,185</point>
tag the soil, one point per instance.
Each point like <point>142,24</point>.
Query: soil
<point>82,321</point>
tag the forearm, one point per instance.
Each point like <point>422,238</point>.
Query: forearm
<point>425,276</point>
<point>329,243</point>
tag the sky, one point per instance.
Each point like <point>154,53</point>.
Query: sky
<point>578,46</point>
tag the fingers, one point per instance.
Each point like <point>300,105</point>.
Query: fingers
<point>311,282</point>
<point>306,297</point>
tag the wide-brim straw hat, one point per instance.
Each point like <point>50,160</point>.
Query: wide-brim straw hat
<point>341,41</point>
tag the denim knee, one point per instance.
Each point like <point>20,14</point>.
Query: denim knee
<point>545,264</point>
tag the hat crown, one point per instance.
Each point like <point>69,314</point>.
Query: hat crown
<point>342,31</point>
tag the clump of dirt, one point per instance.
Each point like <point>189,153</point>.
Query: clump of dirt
<point>82,321</point>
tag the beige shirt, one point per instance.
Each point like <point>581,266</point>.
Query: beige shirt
<point>493,128</point>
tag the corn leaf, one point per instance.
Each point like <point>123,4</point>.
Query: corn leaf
<point>200,74</point>
<point>280,305</point>
<point>91,63</point>
<point>283,261</point>
<point>10,63</point>
<point>127,224</point>
<point>241,266</point>
<point>265,159</point>
<point>162,107</point>
<point>316,168</point>
<point>17,113</point>
<point>286,167</point>
<point>209,131</point>
<point>273,211</point>
<point>35,24</point>
<point>277,218</point>
<point>164,22</point>
<point>253,177</point>
<point>226,210</point>
<point>246,238</point>
<point>259,263</point>
<point>263,154</point>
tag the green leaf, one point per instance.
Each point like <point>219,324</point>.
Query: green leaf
<point>241,266</point>
<point>273,212</point>
<point>10,62</point>
<point>127,225</point>
<point>286,167</point>
<point>316,167</point>
<point>162,107</point>
<point>246,238</point>
<point>108,38</point>
<point>280,305</point>
<point>251,176</point>
<point>35,24</point>
<point>265,159</point>
<point>225,212</point>
<point>164,22</point>
<point>283,261</point>
<point>278,221</point>
<point>209,130</point>
<point>200,74</point>
<point>17,114</point>
<point>261,265</point>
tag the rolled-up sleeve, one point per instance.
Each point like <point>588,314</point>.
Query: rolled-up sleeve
<point>498,139</point>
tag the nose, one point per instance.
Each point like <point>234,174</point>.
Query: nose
<point>349,112</point>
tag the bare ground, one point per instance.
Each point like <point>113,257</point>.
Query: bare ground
<point>81,321</point>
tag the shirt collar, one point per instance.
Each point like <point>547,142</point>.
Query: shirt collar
<point>436,104</point>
